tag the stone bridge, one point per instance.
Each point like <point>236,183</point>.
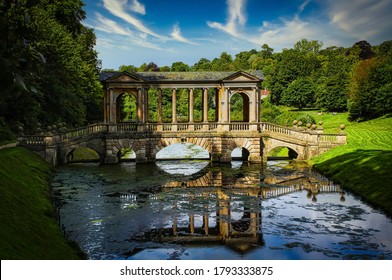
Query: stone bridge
<point>146,135</point>
<point>147,140</point>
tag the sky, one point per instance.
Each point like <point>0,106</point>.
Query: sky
<point>133,32</point>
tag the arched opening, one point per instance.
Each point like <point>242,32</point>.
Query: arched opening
<point>282,153</point>
<point>240,154</point>
<point>126,154</point>
<point>82,154</point>
<point>239,107</point>
<point>126,108</point>
<point>180,151</point>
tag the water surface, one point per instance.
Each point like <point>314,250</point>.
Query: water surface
<point>198,210</point>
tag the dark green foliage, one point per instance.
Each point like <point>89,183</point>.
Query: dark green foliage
<point>48,64</point>
<point>371,87</point>
<point>300,93</point>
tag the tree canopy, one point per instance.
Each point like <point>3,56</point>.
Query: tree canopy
<point>48,63</point>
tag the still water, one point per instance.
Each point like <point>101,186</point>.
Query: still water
<point>198,210</point>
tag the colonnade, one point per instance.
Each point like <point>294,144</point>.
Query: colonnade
<point>138,86</point>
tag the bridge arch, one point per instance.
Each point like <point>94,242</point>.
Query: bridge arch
<point>292,154</point>
<point>68,153</point>
<point>250,147</point>
<point>165,142</point>
<point>294,149</point>
<point>136,145</point>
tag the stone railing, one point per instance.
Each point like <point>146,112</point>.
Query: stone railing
<point>88,130</point>
<point>302,134</point>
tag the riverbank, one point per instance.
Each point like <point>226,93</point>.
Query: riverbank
<point>364,165</point>
<point>29,229</point>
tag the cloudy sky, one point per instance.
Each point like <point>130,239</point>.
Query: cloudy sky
<point>166,31</point>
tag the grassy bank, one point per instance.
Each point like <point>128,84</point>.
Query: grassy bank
<point>364,165</point>
<point>28,229</point>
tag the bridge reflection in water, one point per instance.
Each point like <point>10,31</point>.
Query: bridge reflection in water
<point>223,206</point>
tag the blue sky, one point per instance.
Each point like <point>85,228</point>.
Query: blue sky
<point>132,32</point>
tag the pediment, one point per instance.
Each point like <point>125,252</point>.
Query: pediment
<point>240,76</point>
<point>125,77</point>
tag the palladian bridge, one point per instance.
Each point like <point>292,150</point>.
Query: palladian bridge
<point>214,128</point>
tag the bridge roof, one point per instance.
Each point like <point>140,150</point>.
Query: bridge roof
<point>184,76</point>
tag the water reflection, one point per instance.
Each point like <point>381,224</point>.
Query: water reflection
<point>198,210</point>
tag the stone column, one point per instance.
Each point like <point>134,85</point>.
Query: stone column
<point>139,104</point>
<point>145,93</point>
<point>159,105</point>
<point>112,106</point>
<point>190,106</point>
<point>106,106</point>
<point>174,106</point>
<point>217,106</point>
<point>205,105</point>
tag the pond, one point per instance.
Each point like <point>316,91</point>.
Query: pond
<point>189,209</point>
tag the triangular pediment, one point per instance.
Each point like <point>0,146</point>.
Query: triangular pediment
<point>240,76</point>
<point>125,77</point>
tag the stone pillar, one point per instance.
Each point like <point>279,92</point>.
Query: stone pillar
<point>217,101</point>
<point>205,105</point>
<point>140,106</point>
<point>106,106</point>
<point>112,106</point>
<point>190,106</point>
<point>145,94</point>
<point>174,106</point>
<point>159,105</point>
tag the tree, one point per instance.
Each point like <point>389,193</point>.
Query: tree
<point>300,93</point>
<point>202,65</point>
<point>179,67</point>
<point>48,63</point>
<point>223,63</point>
<point>128,68</point>
<point>333,80</point>
<point>370,88</point>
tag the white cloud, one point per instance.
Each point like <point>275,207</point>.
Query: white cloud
<point>363,19</point>
<point>109,26</point>
<point>236,17</point>
<point>176,35</point>
<point>138,7</point>
<point>116,34</point>
<point>118,8</point>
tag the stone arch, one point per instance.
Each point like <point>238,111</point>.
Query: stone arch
<point>119,102</point>
<point>246,101</point>
<point>252,146</point>
<point>273,143</point>
<point>134,144</point>
<point>165,142</point>
<point>68,152</point>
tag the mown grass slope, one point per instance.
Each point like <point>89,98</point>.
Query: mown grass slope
<point>28,229</point>
<point>364,165</point>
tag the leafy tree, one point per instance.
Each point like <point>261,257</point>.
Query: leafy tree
<point>223,63</point>
<point>370,88</point>
<point>49,66</point>
<point>241,61</point>
<point>202,65</point>
<point>300,93</point>
<point>179,67</point>
<point>333,80</point>
<point>128,68</point>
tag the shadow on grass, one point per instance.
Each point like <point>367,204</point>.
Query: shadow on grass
<point>366,173</point>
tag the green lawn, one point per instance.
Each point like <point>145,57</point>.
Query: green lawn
<point>29,229</point>
<point>364,165</point>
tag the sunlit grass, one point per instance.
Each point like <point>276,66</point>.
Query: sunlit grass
<point>364,165</point>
